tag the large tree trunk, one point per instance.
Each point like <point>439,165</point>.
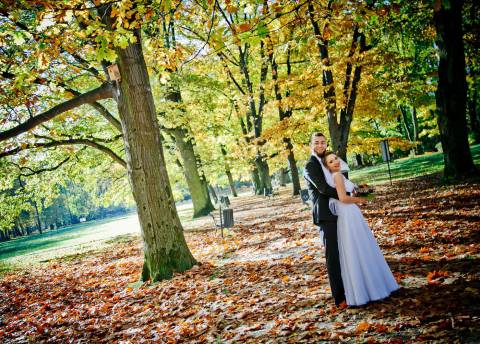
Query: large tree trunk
<point>451,93</point>
<point>198,188</point>
<point>264,175</point>
<point>256,180</point>
<point>165,248</point>
<point>196,181</point>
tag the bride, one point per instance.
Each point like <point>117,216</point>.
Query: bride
<point>365,273</point>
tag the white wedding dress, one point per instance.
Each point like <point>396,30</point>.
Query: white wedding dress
<point>365,273</point>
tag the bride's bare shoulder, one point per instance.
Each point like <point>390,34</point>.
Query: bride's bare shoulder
<point>337,175</point>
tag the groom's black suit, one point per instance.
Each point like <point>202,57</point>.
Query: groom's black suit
<point>320,192</point>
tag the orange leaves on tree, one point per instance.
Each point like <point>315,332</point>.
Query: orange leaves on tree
<point>244,27</point>
<point>232,9</point>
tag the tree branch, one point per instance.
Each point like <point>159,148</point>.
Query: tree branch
<point>69,142</point>
<point>47,169</point>
<point>97,106</point>
<point>102,92</point>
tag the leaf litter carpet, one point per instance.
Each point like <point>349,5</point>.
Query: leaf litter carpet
<point>266,281</point>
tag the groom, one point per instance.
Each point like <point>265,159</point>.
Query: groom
<point>320,192</point>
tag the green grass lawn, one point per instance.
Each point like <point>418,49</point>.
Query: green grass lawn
<point>405,168</point>
<point>71,240</point>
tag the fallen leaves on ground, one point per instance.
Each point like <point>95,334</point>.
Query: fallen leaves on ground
<point>266,282</point>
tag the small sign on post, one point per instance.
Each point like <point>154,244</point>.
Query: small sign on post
<point>113,72</point>
<point>386,156</point>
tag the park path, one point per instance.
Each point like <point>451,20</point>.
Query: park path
<point>265,281</point>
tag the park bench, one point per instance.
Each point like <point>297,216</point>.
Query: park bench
<point>224,217</point>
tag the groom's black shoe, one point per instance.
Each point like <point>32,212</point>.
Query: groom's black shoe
<point>340,302</point>
<point>342,305</point>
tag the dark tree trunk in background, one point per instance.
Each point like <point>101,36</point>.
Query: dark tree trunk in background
<point>227,171</point>
<point>285,113</point>
<point>256,181</point>
<point>192,165</point>
<point>292,164</point>
<point>37,217</point>
<point>264,174</point>
<point>406,127</point>
<point>4,236</point>
<point>451,94</point>
<point>359,159</point>
<point>198,188</point>
<point>474,116</point>
<point>283,176</point>
<point>165,248</point>
<point>213,193</point>
<point>416,138</point>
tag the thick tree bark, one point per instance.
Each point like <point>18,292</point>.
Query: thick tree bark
<point>165,248</point>
<point>451,94</point>
<point>202,204</point>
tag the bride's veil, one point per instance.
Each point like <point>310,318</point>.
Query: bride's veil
<point>328,175</point>
<point>329,179</point>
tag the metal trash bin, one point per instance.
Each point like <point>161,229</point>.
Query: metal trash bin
<point>227,217</point>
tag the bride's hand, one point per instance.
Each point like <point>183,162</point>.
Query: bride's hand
<point>361,200</point>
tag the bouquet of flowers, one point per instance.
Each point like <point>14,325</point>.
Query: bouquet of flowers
<point>365,190</point>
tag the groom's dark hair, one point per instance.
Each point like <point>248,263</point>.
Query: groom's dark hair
<point>316,134</point>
